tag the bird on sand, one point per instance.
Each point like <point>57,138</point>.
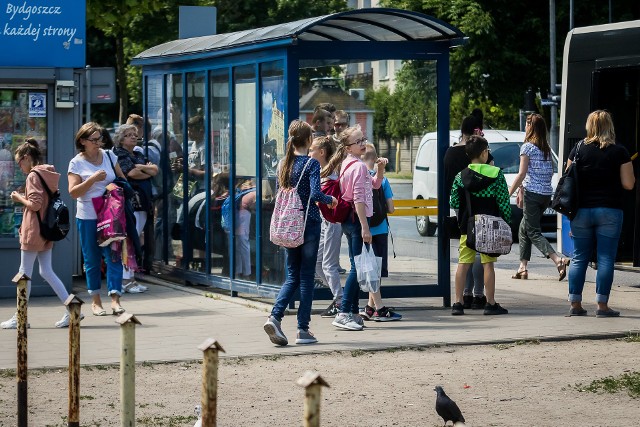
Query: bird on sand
<point>447,408</point>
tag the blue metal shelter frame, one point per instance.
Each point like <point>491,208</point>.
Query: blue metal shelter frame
<point>345,37</point>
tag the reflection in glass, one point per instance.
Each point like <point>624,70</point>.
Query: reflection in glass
<point>173,144</point>
<point>23,114</point>
<point>272,133</point>
<point>245,172</point>
<point>219,129</point>
<point>154,118</point>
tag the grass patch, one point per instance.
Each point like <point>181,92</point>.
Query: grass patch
<point>212,296</point>
<point>631,337</point>
<point>357,353</point>
<point>87,397</point>
<point>503,346</point>
<point>166,421</point>
<point>399,175</point>
<point>7,373</point>
<point>528,342</point>
<point>629,382</point>
<point>273,358</point>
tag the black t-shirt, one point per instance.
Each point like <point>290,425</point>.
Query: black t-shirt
<point>599,184</point>
<point>455,160</point>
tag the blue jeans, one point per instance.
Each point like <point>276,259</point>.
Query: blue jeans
<point>353,230</point>
<point>602,227</point>
<point>93,254</point>
<point>301,267</point>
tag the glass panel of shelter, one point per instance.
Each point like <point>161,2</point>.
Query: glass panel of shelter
<point>175,187</point>
<point>273,144</point>
<point>244,191</point>
<point>154,113</point>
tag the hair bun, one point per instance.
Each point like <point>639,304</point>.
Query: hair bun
<point>32,141</point>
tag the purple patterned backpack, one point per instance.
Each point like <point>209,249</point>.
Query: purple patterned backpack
<point>288,221</point>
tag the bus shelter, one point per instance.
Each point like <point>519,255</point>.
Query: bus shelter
<point>220,106</point>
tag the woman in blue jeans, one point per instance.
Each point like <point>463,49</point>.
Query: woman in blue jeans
<point>604,173</point>
<point>298,168</point>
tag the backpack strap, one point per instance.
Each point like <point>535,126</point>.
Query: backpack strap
<point>49,193</point>
<point>345,169</point>
<point>302,173</point>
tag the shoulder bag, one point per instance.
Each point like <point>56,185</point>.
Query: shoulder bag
<point>565,198</point>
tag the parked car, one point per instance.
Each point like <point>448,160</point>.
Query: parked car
<point>505,148</point>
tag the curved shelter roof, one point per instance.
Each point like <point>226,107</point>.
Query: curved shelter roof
<point>360,25</point>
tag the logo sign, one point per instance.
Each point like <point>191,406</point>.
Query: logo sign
<point>37,105</point>
<point>43,33</point>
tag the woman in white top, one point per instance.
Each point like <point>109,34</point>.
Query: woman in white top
<point>90,171</point>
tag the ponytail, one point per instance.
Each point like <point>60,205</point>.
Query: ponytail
<point>299,136</point>
<point>29,148</point>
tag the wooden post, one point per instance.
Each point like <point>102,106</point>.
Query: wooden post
<point>128,323</point>
<point>21,280</point>
<point>398,157</point>
<point>313,383</point>
<point>211,348</point>
<point>74,305</point>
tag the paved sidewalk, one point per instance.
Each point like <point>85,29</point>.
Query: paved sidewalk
<point>176,319</point>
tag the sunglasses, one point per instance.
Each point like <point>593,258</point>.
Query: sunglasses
<point>94,140</point>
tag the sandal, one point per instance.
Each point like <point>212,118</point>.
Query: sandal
<point>98,311</point>
<point>117,310</point>
<point>562,268</point>
<point>523,275</point>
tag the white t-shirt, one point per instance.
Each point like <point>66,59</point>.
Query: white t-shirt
<point>82,167</point>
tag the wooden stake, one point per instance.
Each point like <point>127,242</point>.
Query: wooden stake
<point>211,348</point>
<point>21,280</point>
<point>128,323</point>
<point>313,383</point>
<point>74,305</point>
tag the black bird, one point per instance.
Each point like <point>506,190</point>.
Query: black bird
<point>447,408</point>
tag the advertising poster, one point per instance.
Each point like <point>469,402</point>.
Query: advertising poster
<point>273,127</point>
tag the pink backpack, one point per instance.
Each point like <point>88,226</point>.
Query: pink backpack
<point>287,221</point>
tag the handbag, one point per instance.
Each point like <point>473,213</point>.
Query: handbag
<point>487,234</point>
<point>288,222</point>
<point>565,198</point>
<point>368,269</point>
<point>331,187</point>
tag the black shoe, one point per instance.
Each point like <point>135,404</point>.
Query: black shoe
<point>457,309</point>
<point>466,301</point>
<point>341,270</point>
<point>607,313</point>
<point>494,309</point>
<point>331,311</point>
<point>478,303</point>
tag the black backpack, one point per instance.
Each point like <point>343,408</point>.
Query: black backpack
<point>55,225</point>
<point>379,208</point>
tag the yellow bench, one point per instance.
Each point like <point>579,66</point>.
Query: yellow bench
<point>419,207</point>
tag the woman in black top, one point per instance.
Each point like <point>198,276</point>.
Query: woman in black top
<point>604,173</point>
<point>455,160</point>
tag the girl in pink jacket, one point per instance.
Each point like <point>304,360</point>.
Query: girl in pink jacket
<point>32,244</point>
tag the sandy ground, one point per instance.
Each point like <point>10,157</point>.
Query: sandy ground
<point>524,384</point>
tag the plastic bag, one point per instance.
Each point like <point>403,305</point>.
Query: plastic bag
<point>369,269</point>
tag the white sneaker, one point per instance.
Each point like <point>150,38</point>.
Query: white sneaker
<point>346,321</point>
<point>274,330</point>
<point>134,288</point>
<point>64,322</point>
<point>12,323</point>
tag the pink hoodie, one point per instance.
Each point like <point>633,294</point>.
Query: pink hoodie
<point>37,200</point>
<point>356,183</point>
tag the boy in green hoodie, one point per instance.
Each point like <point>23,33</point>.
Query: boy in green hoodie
<point>489,194</point>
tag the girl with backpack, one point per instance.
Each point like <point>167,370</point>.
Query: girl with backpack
<point>356,187</point>
<point>32,245</point>
<point>298,167</point>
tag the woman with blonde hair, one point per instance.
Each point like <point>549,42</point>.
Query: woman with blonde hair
<point>604,173</point>
<point>299,170</point>
<point>356,186</point>
<point>534,183</point>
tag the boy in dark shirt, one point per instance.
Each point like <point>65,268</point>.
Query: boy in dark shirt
<point>489,195</point>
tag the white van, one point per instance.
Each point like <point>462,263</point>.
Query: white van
<point>505,148</point>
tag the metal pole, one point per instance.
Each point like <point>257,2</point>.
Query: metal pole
<point>88,94</point>
<point>21,372</point>
<point>211,348</point>
<point>571,15</point>
<point>398,147</point>
<point>74,305</point>
<point>552,72</point>
<point>313,383</point>
<point>127,323</point>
